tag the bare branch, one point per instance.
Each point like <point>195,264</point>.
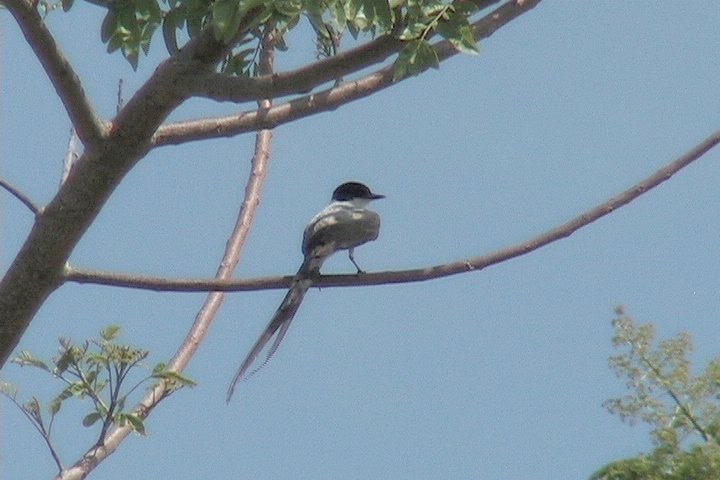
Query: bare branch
<point>213,301</point>
<point>20,196</point>
<point>88,124</point>
<point>164,284</point>
<point>326,100</point>
<point>414,275</point>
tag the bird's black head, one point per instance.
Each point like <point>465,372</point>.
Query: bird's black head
<point>351,190</point>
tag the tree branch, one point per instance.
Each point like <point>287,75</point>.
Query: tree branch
<point>414,275</point>
<point>87,123</point>
<point>37,269</point>
<point>221,87</point>
<point>326,100</point>
<point>213,301</point>
<point>17,193</point>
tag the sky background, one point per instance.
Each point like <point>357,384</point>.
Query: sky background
<point>498,374</point>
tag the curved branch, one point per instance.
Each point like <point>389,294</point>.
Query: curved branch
<point>213,302</point>
<point>230,126</point>
<point>326,100</point>
<point>414,275</point>
<point>24,199</point>
<point>88,124</point>
<point>221,87</point>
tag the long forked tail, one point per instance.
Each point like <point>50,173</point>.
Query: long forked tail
<point>280,321</point>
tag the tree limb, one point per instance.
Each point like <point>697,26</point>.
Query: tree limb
<point>89,126</point>
<point>222,87</point>
<point>414,275</point>
<point>326,100</point>
<point>17,193</point>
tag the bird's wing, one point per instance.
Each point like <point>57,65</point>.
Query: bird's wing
<point>340,227</point>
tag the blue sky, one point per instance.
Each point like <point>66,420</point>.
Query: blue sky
<point>498,374</point>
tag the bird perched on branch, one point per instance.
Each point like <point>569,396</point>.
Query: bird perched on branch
<point>343,225</point>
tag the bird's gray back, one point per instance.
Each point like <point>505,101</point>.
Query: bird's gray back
<point>340,228</point>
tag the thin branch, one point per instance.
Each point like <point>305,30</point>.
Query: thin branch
<point>24,199</point>
<point>88,124</point>
<point>164,284</point>
<point>406,276</point>
<point>330,99</point>
<point>214,300</point>
<point>40,427</point>
<point>189,131</point>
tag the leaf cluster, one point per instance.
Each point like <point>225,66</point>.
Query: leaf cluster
<point>97,370</point>
<point>130,25</point>
<point>681,408</point>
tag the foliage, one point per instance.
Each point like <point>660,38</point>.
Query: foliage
<point>130,25</point>
<point>97,369</point>
<point>681,408</point>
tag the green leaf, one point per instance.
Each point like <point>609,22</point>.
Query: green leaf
<point>226,18</point>
<point>129,27</point>
<point>26,358</point>
<point>90,419</point>
<point>413,31</point>
<point>426,57</point>
<point>78,389</point>
<point>457,31</point>
<point>131,420</point>
<point>63,362</point>
<point>416,57</point>
<point>110,332</point>
<point>431,8</point>
<point>367,15</point>
<point>172,376</point>
<point>290,8</point>
<point>228,14</point>
<point>239,63</point>
<point>108,26</point>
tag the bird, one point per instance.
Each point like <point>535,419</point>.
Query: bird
<point>344,224</point>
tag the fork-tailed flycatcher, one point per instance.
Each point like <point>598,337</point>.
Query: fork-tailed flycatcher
<point>342,225</point>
